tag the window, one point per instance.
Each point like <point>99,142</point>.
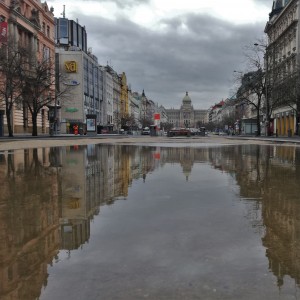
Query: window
<point>63,31</point>
<point>74,36</point>
<point>46,53</point>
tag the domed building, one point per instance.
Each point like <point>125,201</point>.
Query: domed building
<point>186,116</point>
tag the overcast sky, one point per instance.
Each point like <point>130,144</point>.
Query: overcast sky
<point>168,47</point>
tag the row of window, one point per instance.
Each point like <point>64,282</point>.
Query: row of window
<point>68,32</point>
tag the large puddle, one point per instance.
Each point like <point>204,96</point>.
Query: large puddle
<point>138,222</point>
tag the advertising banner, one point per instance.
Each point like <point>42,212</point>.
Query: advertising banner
<point>91,125</point>
<point>3,32</point>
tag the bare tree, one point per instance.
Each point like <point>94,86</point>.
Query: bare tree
<point>127,121</point>
<point>42,87</point>
<point>132,122</point>
<point>166,126</point>
<point>253,84</point>
<point>39,82</point>
<point>11,81</point>
<point>251,92</point>
<point>117,119</point>
<point>228,120</point>
<point>273,86</point>
<point>146,121</point>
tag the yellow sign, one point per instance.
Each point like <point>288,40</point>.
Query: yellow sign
<point>71,66</point>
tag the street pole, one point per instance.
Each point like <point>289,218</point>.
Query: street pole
<point>55,115</point>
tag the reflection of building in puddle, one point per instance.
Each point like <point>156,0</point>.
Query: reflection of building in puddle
<point>44,202</point>
<point>270,177</point>
<point>185,156</point>
<point>281,211</point>
<point>80,179</point>
<point>74,233</point>
<point>29,222</point>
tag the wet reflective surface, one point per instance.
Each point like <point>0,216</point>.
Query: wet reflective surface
<point>135,222</point>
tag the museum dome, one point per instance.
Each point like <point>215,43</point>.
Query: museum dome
<point>186,98</point>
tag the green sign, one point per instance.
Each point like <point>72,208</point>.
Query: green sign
<point>71,109</point>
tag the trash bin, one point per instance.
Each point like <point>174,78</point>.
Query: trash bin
<point>289,132</point>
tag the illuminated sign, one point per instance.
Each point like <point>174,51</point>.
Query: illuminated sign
<point>71,66</point>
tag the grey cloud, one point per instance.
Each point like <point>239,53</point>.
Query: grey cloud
<point>200,60</point>
<point>267,3</point>
<point>125,3</point>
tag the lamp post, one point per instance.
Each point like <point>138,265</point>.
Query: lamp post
<point>55,115</point>
<point>239,111</point>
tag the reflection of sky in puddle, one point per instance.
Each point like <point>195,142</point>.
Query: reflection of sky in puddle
<point>166,222</point>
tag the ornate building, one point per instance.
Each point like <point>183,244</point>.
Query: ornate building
<point>186,116</point>
<point>282,54</point>
<point>28,24</point>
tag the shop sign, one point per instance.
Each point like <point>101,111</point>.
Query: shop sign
<point>71,82</point>
<point>71,109</point>
<point>156,116</point>
<point>71,66</point>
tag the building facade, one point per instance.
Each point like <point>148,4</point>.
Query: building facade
<point>70,34</point>
<point>186,116</point>
<point>282,60</point>
<point>29,24</point>
<point>116,98</point>
<point>83,77</point>
<point>106,123</point>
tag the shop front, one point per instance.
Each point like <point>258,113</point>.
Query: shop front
<point>285,123</point>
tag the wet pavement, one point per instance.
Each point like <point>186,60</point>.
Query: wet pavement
<point>156,221</point>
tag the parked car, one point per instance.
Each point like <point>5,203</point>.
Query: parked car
<point>146,131</point>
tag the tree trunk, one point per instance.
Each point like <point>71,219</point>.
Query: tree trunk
<point>258,123</point>
<point>34,124</point>
<point>9,125</point>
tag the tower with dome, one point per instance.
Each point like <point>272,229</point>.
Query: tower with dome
<point>186,116</point>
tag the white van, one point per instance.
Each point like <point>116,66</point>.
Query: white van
<point>146,131</point>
